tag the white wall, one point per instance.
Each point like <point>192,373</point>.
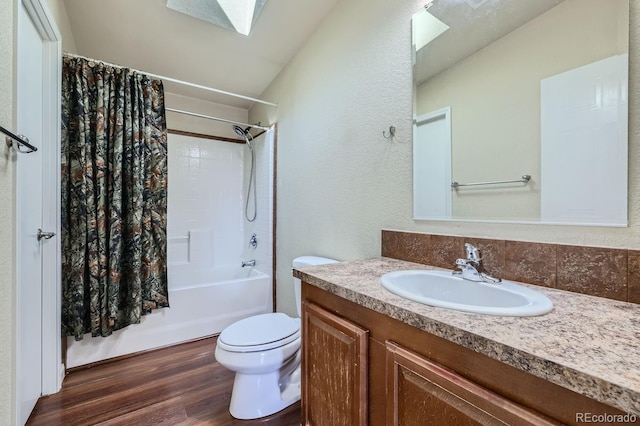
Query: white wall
<point>7,216</point>
<point>340,182</point>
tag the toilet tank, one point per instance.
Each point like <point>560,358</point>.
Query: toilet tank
<point>301,262</point>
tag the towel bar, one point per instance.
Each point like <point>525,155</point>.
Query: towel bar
<point>524,179</point>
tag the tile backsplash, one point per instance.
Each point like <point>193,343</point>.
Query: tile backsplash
<point>597,271</point>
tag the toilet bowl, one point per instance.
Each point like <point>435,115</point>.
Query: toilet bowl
<point>264,351</point>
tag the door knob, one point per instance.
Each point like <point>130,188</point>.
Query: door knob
<point>45,235</point>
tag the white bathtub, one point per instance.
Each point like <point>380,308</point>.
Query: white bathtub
<point>203,302</point>
<point>185,277</point>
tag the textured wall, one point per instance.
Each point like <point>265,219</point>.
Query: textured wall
<point>7,220</point>
<point>340,182</point>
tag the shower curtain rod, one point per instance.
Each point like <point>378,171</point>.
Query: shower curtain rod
<point>186,83</point>
<point>209,117</point>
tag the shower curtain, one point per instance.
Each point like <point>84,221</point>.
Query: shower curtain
<point>114,197</point>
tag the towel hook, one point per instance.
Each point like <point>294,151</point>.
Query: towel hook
<point>392,133</point>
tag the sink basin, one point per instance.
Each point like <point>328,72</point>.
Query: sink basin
<point>445,290</point>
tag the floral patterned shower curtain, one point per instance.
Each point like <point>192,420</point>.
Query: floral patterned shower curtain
<point>114,197</point>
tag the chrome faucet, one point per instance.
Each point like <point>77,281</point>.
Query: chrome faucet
<point>472,269</point>
<point>248,263</point>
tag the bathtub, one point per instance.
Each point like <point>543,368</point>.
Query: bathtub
<point>184,276</point>
<point>203,302</point>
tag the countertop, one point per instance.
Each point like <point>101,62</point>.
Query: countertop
<point>587,344</point>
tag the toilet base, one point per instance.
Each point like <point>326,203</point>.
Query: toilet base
<point>260,395</point>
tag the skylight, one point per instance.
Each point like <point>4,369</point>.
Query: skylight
<point>237,15</point>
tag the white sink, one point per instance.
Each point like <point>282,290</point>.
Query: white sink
<point>445,290</point>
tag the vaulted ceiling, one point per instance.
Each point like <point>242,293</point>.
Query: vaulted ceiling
<point>148,36</point>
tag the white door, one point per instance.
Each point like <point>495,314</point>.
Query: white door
<point>432,165</point>
<point>584,144</point>
<point>37,208</point>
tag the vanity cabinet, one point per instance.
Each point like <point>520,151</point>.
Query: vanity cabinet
<point>362,367</point>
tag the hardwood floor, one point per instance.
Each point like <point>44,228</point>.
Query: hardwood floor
<point>180,385</point>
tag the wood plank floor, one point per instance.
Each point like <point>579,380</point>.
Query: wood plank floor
<point>180,385</point>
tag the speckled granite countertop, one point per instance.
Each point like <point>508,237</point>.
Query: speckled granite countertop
<point>587,344</point>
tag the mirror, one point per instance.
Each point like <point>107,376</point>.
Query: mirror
<point>524,105</point>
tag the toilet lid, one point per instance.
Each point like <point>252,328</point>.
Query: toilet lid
<point>261,332</point>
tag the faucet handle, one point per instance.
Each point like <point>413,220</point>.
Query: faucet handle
<point>473,254</point>
<point>253,242</point>
<point>462,263</point>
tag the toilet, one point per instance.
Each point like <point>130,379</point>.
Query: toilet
<point>264,351</point>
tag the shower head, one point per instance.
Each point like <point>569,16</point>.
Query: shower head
<point>243,133</point>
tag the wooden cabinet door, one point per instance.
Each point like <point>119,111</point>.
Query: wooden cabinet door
<point>334,369</point>
<point>421,392</point>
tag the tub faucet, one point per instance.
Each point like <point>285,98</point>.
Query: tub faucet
<point>472,269</point>
<point>248,263</point>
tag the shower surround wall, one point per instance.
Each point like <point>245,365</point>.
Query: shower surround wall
<point>208,238</point>
<point>207,198</point>
<point>205,202</point>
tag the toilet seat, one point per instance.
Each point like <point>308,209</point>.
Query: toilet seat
<point>260,333</point>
